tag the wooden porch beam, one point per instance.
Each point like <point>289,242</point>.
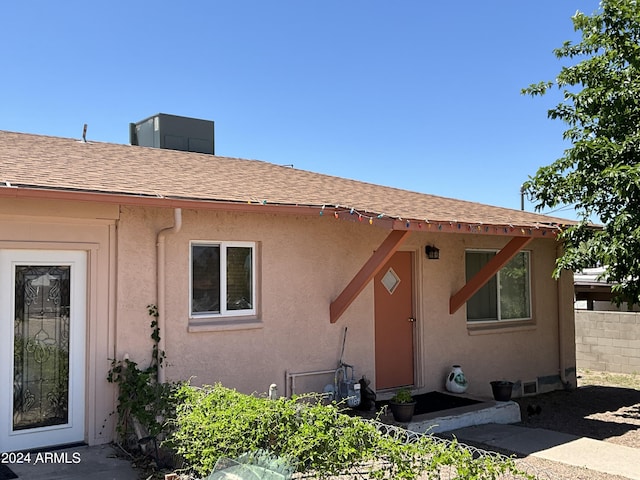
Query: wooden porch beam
<point>366,273</point>
<point>489,270</point>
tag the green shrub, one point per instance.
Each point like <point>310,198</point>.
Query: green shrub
<point>402,396</point>
<point>213,422</point>
<point>141,398</point>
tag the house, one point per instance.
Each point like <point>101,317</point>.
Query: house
<point>256,270</point>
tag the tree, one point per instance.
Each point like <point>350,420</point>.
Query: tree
<point>600,172</point>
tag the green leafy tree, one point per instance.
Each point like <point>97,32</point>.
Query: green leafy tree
<point>600,172</point>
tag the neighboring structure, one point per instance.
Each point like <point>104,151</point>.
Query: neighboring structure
<point>256,269</point>
<point>607,335</point>
<point>592,291</point>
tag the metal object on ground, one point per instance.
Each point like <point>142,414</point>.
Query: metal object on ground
<point>258,465</point>
<point>346,387</point>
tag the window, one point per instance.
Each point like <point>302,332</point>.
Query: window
<point>223,279</point>
<point>507,296</point>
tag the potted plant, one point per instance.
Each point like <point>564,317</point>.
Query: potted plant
<point>402,405</point>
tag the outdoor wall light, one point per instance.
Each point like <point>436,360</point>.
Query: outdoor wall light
<point>432,252</point>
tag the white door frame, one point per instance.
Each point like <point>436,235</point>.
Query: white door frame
<point>74,430</point>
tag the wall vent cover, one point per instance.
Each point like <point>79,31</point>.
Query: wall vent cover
<point>529,388</point>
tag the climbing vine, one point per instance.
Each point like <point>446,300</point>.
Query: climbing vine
<point>144,405</point>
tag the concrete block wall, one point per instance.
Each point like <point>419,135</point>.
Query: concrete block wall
<point>608,341</point>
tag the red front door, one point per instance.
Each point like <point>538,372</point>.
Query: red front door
<point>394,322</point>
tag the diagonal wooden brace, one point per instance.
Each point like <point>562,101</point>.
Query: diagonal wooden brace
<point>381,256</point>
<point>487,272</point>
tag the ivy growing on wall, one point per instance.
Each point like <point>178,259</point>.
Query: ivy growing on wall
<point>144,405</point>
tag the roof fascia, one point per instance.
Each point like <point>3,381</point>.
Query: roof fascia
<point>541,230</point>
<point>375,263</point>
<point>159,201</point>
<point>487,272</point>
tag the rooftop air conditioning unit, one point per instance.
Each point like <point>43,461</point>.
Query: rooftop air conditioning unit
<point>174,133</point>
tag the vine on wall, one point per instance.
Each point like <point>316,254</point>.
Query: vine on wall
<point>144,405</point>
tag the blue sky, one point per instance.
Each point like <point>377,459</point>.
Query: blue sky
<point>413,94</point>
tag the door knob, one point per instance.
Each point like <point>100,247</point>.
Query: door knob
<point>411,319</point>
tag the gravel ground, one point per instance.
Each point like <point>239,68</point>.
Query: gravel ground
<point>604,407</point>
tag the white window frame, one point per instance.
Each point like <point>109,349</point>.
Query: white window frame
<point>224,312</point>
<point>498,299</point>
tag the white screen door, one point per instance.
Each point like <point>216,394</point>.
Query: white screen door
<point>42,348</point>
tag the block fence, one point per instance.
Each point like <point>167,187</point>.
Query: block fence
<point>608,341</point>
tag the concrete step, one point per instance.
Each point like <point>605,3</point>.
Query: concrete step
<point>455,418</point>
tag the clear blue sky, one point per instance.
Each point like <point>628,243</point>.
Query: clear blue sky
<point>414,94</point>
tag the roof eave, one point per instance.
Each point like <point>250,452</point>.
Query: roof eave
<point>548,230</point>
<point>151,201</point>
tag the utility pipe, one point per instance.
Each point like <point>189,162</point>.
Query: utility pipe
<point>561,321</point>
<point>160,283</point>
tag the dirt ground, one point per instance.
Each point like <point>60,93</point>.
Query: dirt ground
<point>604,407</point>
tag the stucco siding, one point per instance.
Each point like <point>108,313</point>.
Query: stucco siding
<point>519,353</point>
<point>305,262</point>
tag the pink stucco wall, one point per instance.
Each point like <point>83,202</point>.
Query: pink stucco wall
<point>305,262</point>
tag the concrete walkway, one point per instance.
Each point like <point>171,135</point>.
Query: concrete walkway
<point>558,447</point>
<point>100,462</point>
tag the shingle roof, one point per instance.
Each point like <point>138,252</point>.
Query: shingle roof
<point>44,162</point>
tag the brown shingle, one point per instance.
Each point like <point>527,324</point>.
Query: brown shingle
<point>60,163</point>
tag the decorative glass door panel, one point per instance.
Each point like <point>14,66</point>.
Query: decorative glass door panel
<point>42,337</point>
<point>41,346</point>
